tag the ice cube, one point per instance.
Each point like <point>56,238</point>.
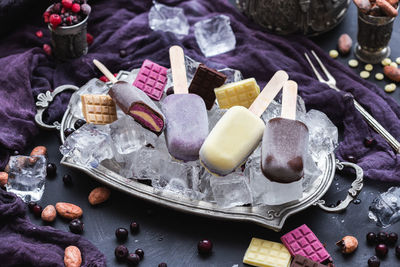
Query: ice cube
<point>311,171</point>
<point>385,208</point>
<point>323,134</point>
<point>231,190</point>
<point>231,75</point>
<point>168,19</point>
<point>214,115</point>
<point>89,145</point>
<point>27,178</point>
<point>214,35</point>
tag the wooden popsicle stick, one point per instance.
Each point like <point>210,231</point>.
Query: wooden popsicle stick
<point>105,71</point>
<point>269,92</point>
<point>177,59</point>
<point>289,100</point>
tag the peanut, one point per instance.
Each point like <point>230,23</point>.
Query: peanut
<point>99,195</point>
<point>392,73</point>
<point>49,213</point>
<point>72,257</point>
<point>3,178</point>
<point>68,210</point>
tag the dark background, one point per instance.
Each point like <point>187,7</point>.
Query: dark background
<point>170,236</point>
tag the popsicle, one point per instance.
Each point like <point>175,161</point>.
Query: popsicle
<point>285,141</point>
<point>186,114</point>
<point>134,102</point>
<point>239,131</point>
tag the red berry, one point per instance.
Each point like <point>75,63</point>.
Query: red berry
<point>76,8</point>
<point>89,38</point>
<point>55,20</point>
<point>39,34</point>
<point>104,79</point>
<point>381,250</point>
<point>46,16</point>
<point>47,49</point>
<point>37,210</point>
<point>66,3</point>
<point>204,246</point>
<point>68,20</point>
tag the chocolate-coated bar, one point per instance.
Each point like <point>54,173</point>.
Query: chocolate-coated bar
<point>266,253</point>
<point>204,82</point>
<point>301,261</point>
<point>151,79</point>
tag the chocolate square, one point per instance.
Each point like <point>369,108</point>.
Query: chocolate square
<point>204,81</point>
<point>301,261</point>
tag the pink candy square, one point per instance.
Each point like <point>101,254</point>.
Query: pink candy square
<point>302,241</point>
<point>151,79</point>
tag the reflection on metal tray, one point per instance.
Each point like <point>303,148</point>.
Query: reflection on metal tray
<point>272,217</point>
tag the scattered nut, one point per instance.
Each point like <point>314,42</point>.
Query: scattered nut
<point>99,195</point>
<point>348,244</point>
<point>333,53</point>
<point>37,151</point>
<point>353,63</point>
<point>386,61</point>
<point>68,210</point>
<point>379,76</point>
<point>364,74</point>
<point>344,44</point>
<point>390,88</point>
<point>392,73</point>
<point>72,257</point>
<point>3,178</point>
<point>369,67</point>
<point>49,213</point>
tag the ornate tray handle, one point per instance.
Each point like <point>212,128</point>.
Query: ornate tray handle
<point>355,189</point>
<point>44,99</point>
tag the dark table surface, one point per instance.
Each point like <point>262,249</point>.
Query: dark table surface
<point>170,236</point>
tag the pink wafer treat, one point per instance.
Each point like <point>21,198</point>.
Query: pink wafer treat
<point>151,79</point>
<point>302,241</point>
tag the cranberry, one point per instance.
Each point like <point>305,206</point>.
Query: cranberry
<point>369,142</point>
<point>46,16</point>
<point>397,250</point>
<point>85,8</point>
<point>89,38</point>
<point>121,234</point>
<point>162,264</point>
<point>67,179</point>
<point>381,250</point>
<point>121,252</point>
<point>39,34</point>
<point>79,123</point>
<point>47,49</point>
<point>51,169</point>
<point>392,239</point>
<point>122,53</point>
<point>134,227</point>
<point>371,238</point>
<point>133,259</point>
<point>170,90</point>
<point>67,3</point>
<point>76,8</point>
<point>104,79</point>
<point>382,237</point>
<point>55,20</point>
<point>76,226</point>
<point>204,246</point>
<point>69,20</point>
<point>68,132</point>
<point>140,253</point>
<point>37,210</point>
<point>374,262</point>
<point>31,204</point>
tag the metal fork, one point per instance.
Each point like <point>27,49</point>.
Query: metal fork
<point>331,82</point>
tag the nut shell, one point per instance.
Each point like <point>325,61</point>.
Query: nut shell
<point>72,257</point>
<point>68,210</point>
<point>348,244</point>
<point>99,195</point>
<point>49,213</point>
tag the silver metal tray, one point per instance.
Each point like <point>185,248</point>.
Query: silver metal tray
<point>272,217</point>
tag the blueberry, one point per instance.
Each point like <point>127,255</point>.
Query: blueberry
<point>170,90</point>
<point>68,131</point>
<point>122,53</point>
<point>37,210</point>
<point>76,226</point>
<point>121,234</point>
<point>79,123</point>
<point>134,227</point>
<point>352,159</point>
<point>374,262</point>
<point>31,204</point>
<point>51,169</point>
<point>204,246</point>
<point>133,259</point>
<point>121,252</point>
<point>392,239</point>
<point>371,238</point>
<point>162,264</point>
<point>140,253</point>
<point>67,179</point>
<point>381,250</point>
<point>357,201</point>
<point>369,142</point>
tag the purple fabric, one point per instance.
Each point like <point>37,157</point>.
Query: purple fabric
<point>23,243</point>
<point>27,71</point>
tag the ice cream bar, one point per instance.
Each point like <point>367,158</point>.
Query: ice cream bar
<point>238,132</point>
<point>241,93</point>
<point>266,253</point>
<point>285,142</point>
<point>204,82</point>
<point>134,102</point>
<point>151,79</point>
<point>186,114</point>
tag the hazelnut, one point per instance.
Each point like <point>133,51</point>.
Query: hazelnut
<point>348,244</point>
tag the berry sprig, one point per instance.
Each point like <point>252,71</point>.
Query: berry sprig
<point>66,13</point>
